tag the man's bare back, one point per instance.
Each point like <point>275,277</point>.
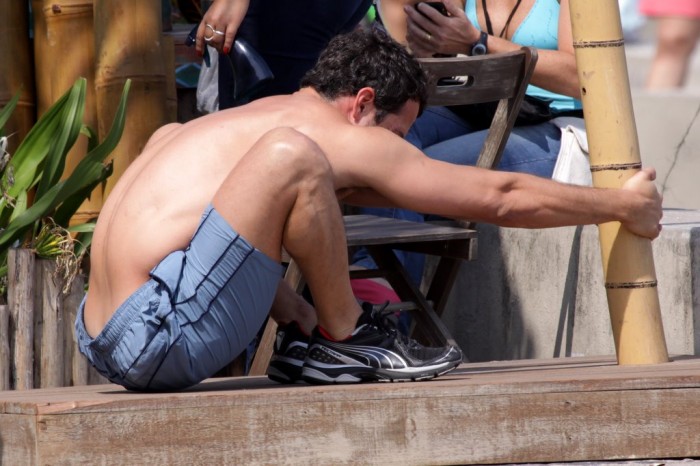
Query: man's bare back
<point>158,203</point>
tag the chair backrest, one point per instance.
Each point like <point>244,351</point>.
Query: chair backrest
<point>500,77</point>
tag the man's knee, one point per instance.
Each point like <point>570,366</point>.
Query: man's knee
<point>295,152</point>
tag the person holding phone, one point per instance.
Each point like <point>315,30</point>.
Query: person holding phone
<point>489,26</point>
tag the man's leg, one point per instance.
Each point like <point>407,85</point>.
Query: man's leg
<point>288,307</point>
<point>294,205</point>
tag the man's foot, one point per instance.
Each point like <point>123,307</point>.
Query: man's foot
<point>288,354</point>
<point>376,351</point>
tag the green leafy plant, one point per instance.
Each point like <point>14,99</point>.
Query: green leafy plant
<point>34,172</point>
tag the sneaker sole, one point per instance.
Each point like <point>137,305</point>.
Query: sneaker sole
<point>348,374</point>
<point>285,372</point>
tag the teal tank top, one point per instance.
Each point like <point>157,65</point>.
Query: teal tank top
<point>539,29</point>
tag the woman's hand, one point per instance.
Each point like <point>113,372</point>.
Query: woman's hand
<point>220,24</point>
<point>430,32</point>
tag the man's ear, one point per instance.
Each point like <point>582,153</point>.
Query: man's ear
<point>363,108</point>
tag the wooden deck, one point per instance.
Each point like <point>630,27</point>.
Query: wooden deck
<point>576,409</point>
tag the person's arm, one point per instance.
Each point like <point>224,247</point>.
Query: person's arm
<point>224,16</point>
<point>429,32</point>
<point>393,17</point>
<point>399,175</point>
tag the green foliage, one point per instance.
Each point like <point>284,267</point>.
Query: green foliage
<point>35,169</point>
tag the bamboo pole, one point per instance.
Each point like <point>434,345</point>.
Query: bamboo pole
<point>16,70</point>
<point>20,280</point>
<point>168,43</point>
<point>4,347</point>
<point>65,50</point>
<point>42,75</point>
<point>128,45</point>
<point>628,264</point>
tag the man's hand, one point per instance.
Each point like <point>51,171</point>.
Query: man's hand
<point>644,216</point>
<point>220,24</point>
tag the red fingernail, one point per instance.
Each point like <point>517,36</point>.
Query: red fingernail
<point>226,50</point>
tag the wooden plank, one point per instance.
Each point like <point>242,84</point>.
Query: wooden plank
<point>18,440</point>
<point>21,301</point>
<point>576,409</point>
<point>38,324</point>
<point>4,347</point>
<point>363,229</point>
<point>76,365</point>
<point>52,346</point>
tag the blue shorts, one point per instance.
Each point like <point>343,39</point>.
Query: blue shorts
<point>199,310</point>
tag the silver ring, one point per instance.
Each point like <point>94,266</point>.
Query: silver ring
<point>221,33</point>
<point>428,36</point>
<point>213,30</point>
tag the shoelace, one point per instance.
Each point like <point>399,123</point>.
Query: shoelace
<point>382,319</point>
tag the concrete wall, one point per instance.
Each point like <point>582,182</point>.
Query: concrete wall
<point>540,293</point>
<point>668,127</point>
<point>668,124</point>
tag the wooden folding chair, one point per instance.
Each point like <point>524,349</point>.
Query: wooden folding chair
<point>488,78</point>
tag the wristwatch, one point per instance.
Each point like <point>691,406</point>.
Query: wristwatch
<point>479,47</point>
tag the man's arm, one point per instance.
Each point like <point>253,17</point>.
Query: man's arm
<point>533,202</point>
<point>397,174</point>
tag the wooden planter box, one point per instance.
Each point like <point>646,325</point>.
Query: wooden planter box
<point>37,342</point>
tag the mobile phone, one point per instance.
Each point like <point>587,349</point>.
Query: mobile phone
<point>439,6</point>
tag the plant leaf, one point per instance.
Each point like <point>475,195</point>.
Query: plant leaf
<point>86,227</point>
<point>29,156</point>
<point>8,109</point>
<point>70,206</point>
<point>89,168</point>
<point>20,205</point>
<point>67,134</point>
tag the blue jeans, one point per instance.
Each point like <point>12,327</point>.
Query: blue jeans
<point>290,36</point>
<point>442,135</point>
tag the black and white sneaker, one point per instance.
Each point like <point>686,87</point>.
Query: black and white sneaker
<point>288,354</point>
<point>376,351</point>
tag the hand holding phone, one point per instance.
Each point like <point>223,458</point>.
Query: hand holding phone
<point>439,6</point>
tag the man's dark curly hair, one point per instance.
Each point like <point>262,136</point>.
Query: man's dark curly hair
<point>369,58</point>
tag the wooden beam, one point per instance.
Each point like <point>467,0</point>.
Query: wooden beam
<point>5,347</point>
<point>21,264</point>
<point>574,409</point>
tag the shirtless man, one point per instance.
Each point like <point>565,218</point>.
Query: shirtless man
<point>186,254</point>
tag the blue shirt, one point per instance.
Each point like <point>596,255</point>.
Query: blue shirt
<point>539,29</point>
